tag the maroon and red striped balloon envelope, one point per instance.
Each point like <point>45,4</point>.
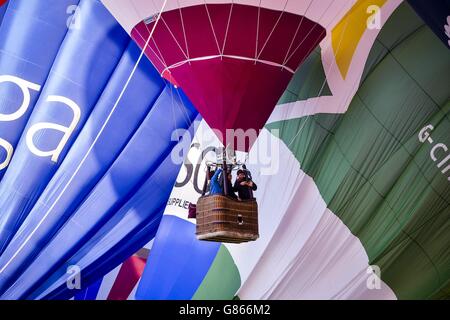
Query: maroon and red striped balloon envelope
<point>233,59</point>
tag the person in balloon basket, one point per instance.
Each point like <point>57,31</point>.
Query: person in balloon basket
<point>244,186</point>
<point>216,184</point>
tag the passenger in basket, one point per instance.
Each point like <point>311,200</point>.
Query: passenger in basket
<point>215,187</point>
<point>244,186</point>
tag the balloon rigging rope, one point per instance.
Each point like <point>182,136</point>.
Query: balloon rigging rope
<point>295,34</point>
<point>157,55</point>
<point>212,27</point>
<point>257,30</point>
<point>184,30</point>
<point>93,143</point>
<point>314,26</point>
<point>160,57</point>
<point>273,29</point>
<point>174,38</point>
<point>228,27</point>
<point>188,120</point>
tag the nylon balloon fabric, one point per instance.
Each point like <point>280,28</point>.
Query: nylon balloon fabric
<point>90,165</point>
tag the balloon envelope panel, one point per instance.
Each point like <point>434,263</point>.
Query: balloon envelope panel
<point>84,165</point>
<point>115,120</point>
<point>25,63</point>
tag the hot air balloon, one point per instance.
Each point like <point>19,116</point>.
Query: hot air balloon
<point>94,160</point>
<point>230,57</point>
<point>359,207</point>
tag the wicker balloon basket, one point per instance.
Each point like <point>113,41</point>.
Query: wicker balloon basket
<point>222,219</point>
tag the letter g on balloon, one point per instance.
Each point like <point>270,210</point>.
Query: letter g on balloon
<point>25,87</point>
<point>424,134</point>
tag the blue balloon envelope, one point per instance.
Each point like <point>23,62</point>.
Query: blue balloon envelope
<point>93,163</point>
